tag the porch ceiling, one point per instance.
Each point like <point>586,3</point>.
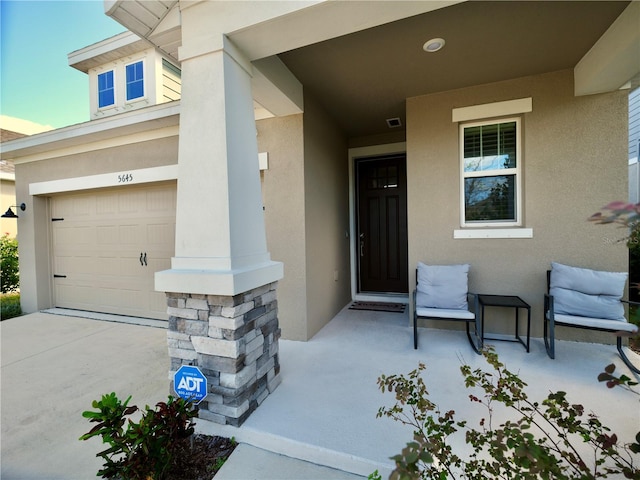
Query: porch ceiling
<point>364,78</point>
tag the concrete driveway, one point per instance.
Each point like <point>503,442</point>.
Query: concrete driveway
<point>53,367</point>
<point>319,424</point>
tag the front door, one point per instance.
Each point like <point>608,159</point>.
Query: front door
<point>382,224</point>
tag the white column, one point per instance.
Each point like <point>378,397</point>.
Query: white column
<point>220,234</point>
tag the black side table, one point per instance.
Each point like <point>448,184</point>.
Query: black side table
<point>509,301</point>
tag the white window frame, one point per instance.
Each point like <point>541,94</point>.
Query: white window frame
<point>144,81</point>
<point>517,171</point>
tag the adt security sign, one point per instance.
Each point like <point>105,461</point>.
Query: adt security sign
<point>190,383</point>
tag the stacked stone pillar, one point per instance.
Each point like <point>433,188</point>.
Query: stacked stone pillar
<point>223,318</point>
<point>234,342</point>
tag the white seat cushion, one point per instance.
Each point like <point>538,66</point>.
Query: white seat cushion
<point>453,314</point>
<point>613,325</point>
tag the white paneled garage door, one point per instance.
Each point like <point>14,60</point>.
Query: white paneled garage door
<point>108,244</point>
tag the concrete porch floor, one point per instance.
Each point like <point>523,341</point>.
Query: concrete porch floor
<point>322,415</point>
<point>324,411</point>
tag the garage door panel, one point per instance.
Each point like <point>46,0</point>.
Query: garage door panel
<point>73,296</point>
<point>160,233</point>
<point>157,301</point>
<point>129,202</point>
<point>109,247</point>
<point>107,205</point>
<point>131,235</point>
<point>108,234</point>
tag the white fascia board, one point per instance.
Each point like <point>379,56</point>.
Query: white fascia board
<point>104,180</point>
<point>108,45</point>
<point>614,59</point>
<point>137,121</point>
<point>324,20</point>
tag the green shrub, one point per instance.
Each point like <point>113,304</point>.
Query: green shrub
<point>9,271</point>
<point>10,305</point>
<point>540,443</point>
<point>142,450</point>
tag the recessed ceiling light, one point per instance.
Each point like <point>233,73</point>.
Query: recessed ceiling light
<point>433,45</point>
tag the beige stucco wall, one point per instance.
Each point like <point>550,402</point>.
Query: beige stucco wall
<point>574,162</point>
<point>305,194</point>
<point>327,217</point>
<point>35,224</point>
<point>283,194</point>
<point>8,226</point>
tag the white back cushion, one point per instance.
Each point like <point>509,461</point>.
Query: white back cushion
<point>442,286</point>
<point>587,293</point>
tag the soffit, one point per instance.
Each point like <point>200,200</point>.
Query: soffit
<point>365,77</point>
<point>145,18</point>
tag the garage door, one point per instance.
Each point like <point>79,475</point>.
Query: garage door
<point>108,244</point>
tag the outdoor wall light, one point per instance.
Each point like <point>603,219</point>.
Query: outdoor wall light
<point>433,45</point>
<point>9,213</point>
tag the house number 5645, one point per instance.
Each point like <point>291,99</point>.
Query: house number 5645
<point>125,178</point>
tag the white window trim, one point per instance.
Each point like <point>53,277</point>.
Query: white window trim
<point>145,86</point>
<point>483,112</point>
<point>517,171</point>
<point>495,109</point>
<point>493,233</point>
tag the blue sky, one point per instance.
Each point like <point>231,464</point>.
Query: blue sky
<point>36,81</point>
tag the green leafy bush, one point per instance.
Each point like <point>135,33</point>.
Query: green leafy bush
<point>540,443</point>
<point>142,450</point>
<point>10,305</point>
<point>9,271</point>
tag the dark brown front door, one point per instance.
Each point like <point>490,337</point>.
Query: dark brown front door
<point>382,224</point>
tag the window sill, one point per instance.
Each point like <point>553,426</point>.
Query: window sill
<point>494,233</point>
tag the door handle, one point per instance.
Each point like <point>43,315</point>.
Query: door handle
<point>145,259</point>
<point>142,264</point>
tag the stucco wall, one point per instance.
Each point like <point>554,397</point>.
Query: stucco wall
<point>327,217</point>
<point>34,226</point>
<point>305,193</point>
<point>283,194</point>
<point>574,162</point>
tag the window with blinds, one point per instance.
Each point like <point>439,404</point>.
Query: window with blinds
<point>490,156</point>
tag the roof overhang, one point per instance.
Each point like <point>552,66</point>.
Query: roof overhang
<point>614,61</point>
<point>302,43</point>
<point>110,49</point>
<point>160,118</point>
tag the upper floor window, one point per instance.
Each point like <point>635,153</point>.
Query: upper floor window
<point>490,157</point>
<point>135,80</point>
<point>106,90</point>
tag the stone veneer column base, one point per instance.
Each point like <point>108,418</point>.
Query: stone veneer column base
<point>234,342</point>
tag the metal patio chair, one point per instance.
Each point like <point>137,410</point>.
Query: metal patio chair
<point>442,294</point>
<point>587,299</point>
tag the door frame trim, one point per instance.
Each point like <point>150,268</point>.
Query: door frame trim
<point>353,155</point>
